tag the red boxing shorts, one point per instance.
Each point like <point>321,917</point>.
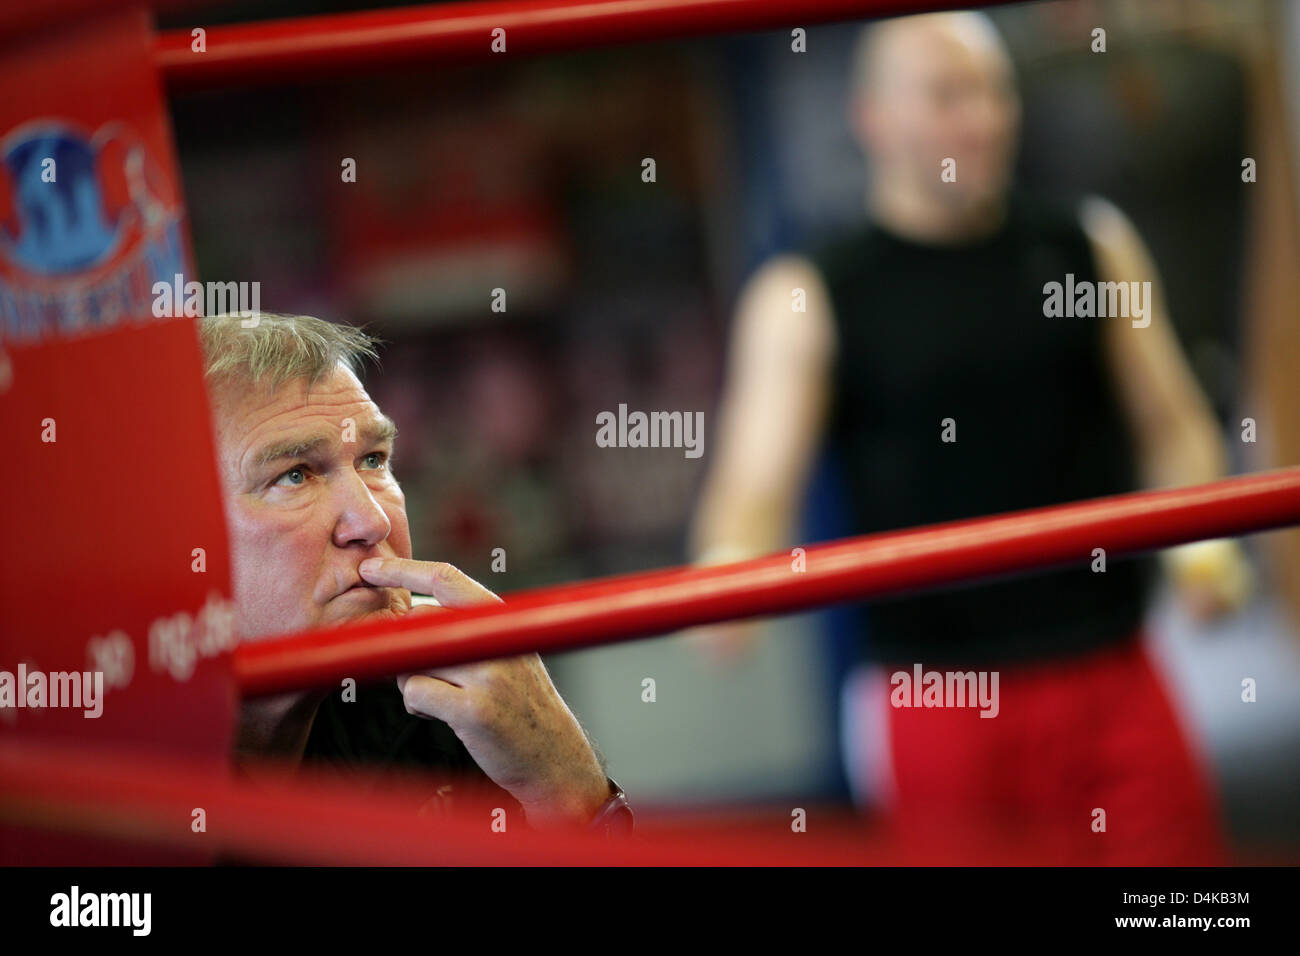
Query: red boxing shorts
<point>1085,763</point>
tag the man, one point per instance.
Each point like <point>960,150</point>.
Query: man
<point>319,536</point>
<point>927,354</point>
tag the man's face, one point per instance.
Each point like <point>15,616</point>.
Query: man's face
<point>309,496</point>
<point>945,90</point>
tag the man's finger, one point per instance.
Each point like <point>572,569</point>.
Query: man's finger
<point>447,675</point>
<point>431,697</point>
<point>450,585</point>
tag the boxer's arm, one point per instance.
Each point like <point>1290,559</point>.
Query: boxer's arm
<point>1178,439</point>
<point>771,415</point>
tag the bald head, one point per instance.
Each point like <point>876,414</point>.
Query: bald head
<point>932,88</point>
<point>889,52</point>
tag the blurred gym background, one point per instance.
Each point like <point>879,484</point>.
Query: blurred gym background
<point>527,175</point>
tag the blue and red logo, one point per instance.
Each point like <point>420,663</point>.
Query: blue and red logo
<point>86,228</point>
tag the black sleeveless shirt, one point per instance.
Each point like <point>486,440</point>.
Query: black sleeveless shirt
<point>928,333</point>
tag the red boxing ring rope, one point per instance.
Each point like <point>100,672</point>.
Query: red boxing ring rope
<point>563,618</point>
<point>327,45</point>
<point>297,816</point>
<point>146,797</point>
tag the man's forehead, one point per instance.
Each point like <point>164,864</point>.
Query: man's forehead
<point>253,403</point>
<point>252,415</point>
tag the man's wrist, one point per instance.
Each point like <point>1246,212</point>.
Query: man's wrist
<point>574,805</point>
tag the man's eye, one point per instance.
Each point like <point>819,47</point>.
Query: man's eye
<point>376,459</point>
<point>294,476</point>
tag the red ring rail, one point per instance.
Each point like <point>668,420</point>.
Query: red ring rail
<point>305,816</point>
<point>605,611</point>
<point>308,816</point>
<point>277,50</point>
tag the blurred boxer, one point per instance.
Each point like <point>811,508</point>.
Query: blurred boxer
<point>930,356</point>
<point>319,536</point>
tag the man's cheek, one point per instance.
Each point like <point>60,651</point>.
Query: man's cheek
<point>399,538</point>
<point>274,588</point>
<point>401,542</point>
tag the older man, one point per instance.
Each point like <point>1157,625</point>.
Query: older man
<point>319,536</point>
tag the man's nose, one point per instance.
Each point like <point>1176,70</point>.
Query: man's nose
<point>361,520</point>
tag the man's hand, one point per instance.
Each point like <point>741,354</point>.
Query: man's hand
<point>1212,578</point>
<point>507,712</point>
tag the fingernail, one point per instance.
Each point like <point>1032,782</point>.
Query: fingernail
<point>371,565</point>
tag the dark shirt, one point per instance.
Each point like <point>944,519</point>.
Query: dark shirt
<point>374,738</point>
<point>928,333</point>
<point>374,733</point>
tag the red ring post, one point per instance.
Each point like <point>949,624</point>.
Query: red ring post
<point>549,620</point>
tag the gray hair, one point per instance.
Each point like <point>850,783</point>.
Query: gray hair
<point>272,348</point>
